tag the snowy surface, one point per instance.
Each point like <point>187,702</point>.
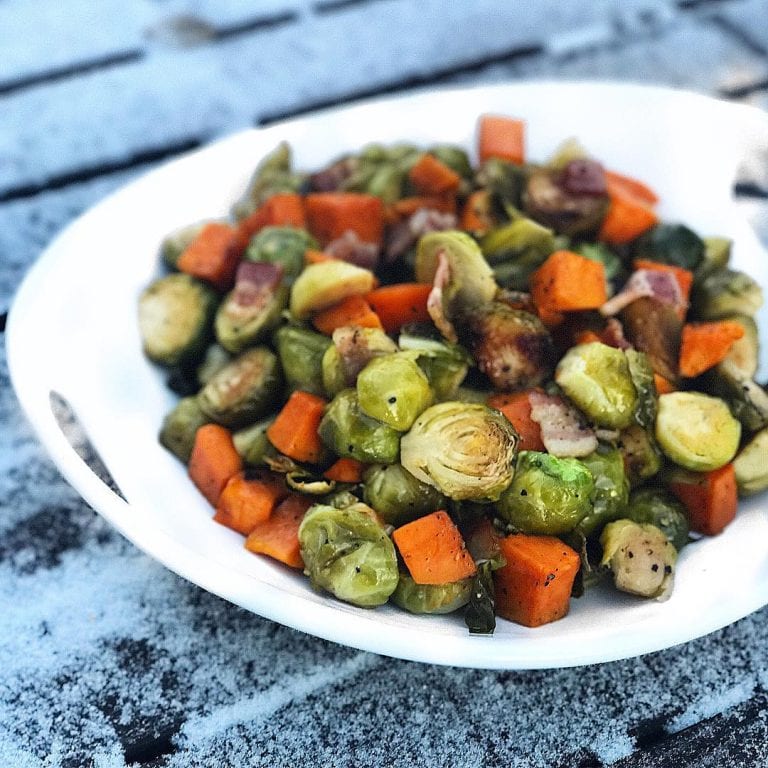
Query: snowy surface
<point>106,658</point>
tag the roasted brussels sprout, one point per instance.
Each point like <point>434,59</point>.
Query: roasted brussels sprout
<point>175,243</point>
<point>397,496</point>
<point>597,379</point>
<point>214,359</point>
<point>505,182</point>
<point>751,465</point>
<point>284,246</point>
<point>569,208</point>
<point>642,457</point>
<point>348,553</point>
<point>352,349</point>
<point>244,390</point>
<point>431,598</point>
<point>444,364</point>
<point>717,255</point>
<point>672,244</point>
<point>641,558</point>
<point>253,444</point>
<point>321,285</point>
<point>180,425</point>
<point>655,328</point>
<point>175,315</point>
<point>454,157</point>
<point>747,400</point>
<point>641,372</point>
<point>512,347</point>
<point>347,431</point>
<point>470,279</point>
<point>742,359</point>
<point>696,431</point>
<point>394,390</point>
<point>547,495</point>
<point>301,354</point>
<point>660,508</point>
<point>726,292</point>
<point>611,492</point>
<point>465,451</point>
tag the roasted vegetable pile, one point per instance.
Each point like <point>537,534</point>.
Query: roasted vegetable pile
<point>455,386</point>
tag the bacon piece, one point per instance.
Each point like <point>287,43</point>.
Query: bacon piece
<point>613,334</point>
<point>349,247</point>
<point>355,350</point>
<point>255,282</point>
<point>406,233</point>
<point>562,430</point>
<point>435,305</point>
<point>650,283</point>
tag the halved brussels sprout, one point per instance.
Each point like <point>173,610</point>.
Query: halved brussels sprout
<point>301,354</point>
<point>180,425</point>
<point>696,431</point>
<point>347,431</point>
<point>659,507</point>
<point>248,314</point>
<point>175,315</point>
<point>641,558</point>
<point>253,444</point>
<point>547,495</point>
<point>611,492</point>
<point>397,496</point>
<point>505,181</point>
<point>747,400</point>
<point>641,372</point>
<point>322,285</point>
<point>670,244</point>
<point>512,347</point>
<point>244,390</point>
<point>285,246</point>
<point>656,329</point>
<point>597,378</point>
<point>742,359</point>
<point>348,553</point>
<point>717,255</point>
<point>751,465</point>
<point>431,598</point>
<point>470,280</point>
<point>352,349</point>
<point>726,292</point>
<point>642,457</point>
<point>214,359</point>
<point>444,364</point>
<point>466,451</point>
<point>394,390</point>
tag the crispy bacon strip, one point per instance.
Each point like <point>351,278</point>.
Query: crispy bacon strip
<point>562,430</point>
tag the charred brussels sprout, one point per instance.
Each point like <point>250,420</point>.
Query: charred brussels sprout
<point>465,451</point>
<point>301,354</point>
<point>431,598</point>
<point>244,390</point>
<point>751,465</point>
<point>696,431</point>
<point>747,400</point>
<point>214,359</point>
<point>352,349</point>
<point>175,315</point>
<point>180,425</point>
<point>655,328</point>
<point>444,364</point>
<point>281,245</point>
<point>640,557</point>
<point>672,244</point>
<point>247,314</point>
<point>397,496</point>
<point>512,347</point>
<point>726,292</point>
<point>394,390</point>
<point>597,379</point>
<point>547,495</point>
<point>660,508</point>
<point>347,431</point>
<point>348,553</point>
<point>611,492</point>
<point>641,373</point>
<point>717,255</point>
<point>504,181</point>
<point>642,457</point>
<point>470,278</point>
<point>321,285</point>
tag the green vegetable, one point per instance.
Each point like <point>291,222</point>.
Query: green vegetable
<point>253,444</point>
<point>301,354</point>
<point>348,553</point>
<point>696,431</point>
<point>597,379</point>
<point>642,457</point>
<point>726,292</point>
<point>466,451</point>
<point>743,357</point>
<point>611,492</point>
<point>179,427</point>
<point>747,400</point>
<point>717,255</point>
<point>175,315</point>
<point>244,319</point>
<point>360,346</point>
<point>454,157</point>
<point>281,245</point>
<point>431,598</point>
<point>394,390</point>
<point>641,373</point>
<point>751,466</point>
<point>444,364</point>
<point>322,285</point>
<point>397,496</point>
<point>505,181</point>
<point>480,616</point>
<point>244,390</point>
<point>347,431</point>
<point>672,244</point>
<point>214,359</point>
<point>548,495</point>
<point>660,508</point>
<point>641,558</point>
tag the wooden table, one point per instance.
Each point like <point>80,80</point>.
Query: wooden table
<point>106,658</point>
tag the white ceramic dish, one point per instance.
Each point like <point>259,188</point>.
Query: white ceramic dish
<point>73,330</point>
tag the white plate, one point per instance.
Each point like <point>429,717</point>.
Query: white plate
<point>73,331</point>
